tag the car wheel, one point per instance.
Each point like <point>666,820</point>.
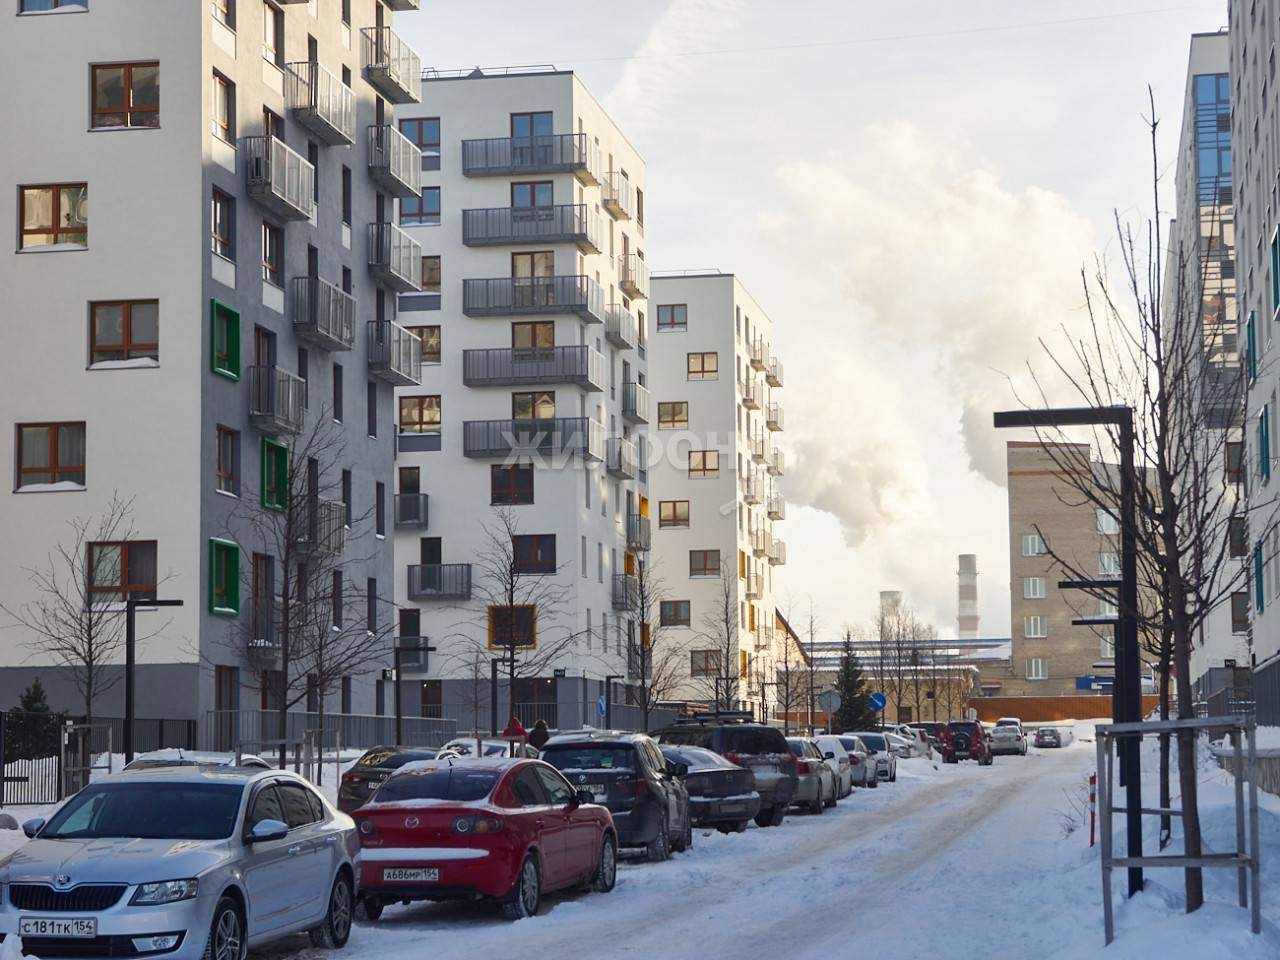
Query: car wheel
<point>607,869</point>
<point>334,932</point>
<point>659,848</point>
<point>526,895</point>
<point>875,782</point>
<point>740,826</point>
<point>688,834</point>
<point>369,908</point>
<point>226,933</point>
<point>893,777</point>
<point>834,798</point>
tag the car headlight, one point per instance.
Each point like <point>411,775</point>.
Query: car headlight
<point>164,891</point>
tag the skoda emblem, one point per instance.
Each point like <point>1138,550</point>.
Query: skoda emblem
<point>410,822</point>
<point>62,881</point>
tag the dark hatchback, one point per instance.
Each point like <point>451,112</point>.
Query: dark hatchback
<point>366,774</point>
<point>721,794</point>
<point>1048,737</point>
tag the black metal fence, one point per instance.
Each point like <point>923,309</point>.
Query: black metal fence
<point>31,744</point>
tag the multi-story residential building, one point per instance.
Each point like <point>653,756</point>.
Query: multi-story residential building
<point>716,383</point>
<point>220,311</point>
<point>521,504</point>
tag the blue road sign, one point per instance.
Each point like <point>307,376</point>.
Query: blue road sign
<point>878,701</point>
<point>600,706</point>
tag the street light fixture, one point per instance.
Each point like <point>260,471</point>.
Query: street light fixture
<point>131,606</point>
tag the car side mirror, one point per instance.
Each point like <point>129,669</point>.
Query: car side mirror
<point>677,769</point>
<point>582,796</point>
<point>33,827</point>
<point>829,755</point>
<point>266,830</point>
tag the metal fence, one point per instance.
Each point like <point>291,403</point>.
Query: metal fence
<point>1232,700</point>
<point>224,729</point>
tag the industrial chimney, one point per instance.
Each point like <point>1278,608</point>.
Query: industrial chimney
<point>967,609</point>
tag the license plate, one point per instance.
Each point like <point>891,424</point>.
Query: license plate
<point>599,789</point>
<point>732,807</point>
<point>80,927</point>
<point>410,875</point>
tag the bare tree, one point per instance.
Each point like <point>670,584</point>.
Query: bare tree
<point>720,629</point>
<point>655,666</point>
<point>792,685</point>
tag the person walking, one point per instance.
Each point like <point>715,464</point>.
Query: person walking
<point>539,735</point>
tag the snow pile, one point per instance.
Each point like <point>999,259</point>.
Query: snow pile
<point>11,948</point>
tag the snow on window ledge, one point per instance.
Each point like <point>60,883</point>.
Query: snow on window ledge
<point>136,363</point>
<point>59,487</point>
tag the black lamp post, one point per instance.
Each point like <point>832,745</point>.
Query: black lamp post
<point>131,606</point>
<point>406,645</point>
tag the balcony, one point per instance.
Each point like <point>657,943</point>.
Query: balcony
<point>761,540</point>
<point>621,458</point>
<point>402,4</point>
<point>506,366</point>
<point>751,391</point>
<point>633,276</point>
<point>411,510</point>
<point>760,448</point>
<point>440,581</point>
<point>324,527</point>
<point>505,226</point>
<point>395,354</point>
<point>322,103</point>
<point>777,508</point>
<point>322,314</point>
<point>511,156</point>
<point>555,436</point>
<point>754,586</point>
<point>395,258</point>
<point>275,400</point>
<point>637,403</point>
<point>626,591</point>
<point>617,195</point>
<point>390,65</point>
<point>620,326</point>
<point>282,181</point>
<point>395,162</point>
<point>752,488</point>
<point>777,553</point>
<point>773,374</point>
<point>638,532</point>
<point>533,296</point>
<point>759,354</point>
<point>773,416</point>
<point>776,464</point>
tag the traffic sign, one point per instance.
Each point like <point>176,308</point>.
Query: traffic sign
<point>878,701</point>
<point>601,706</point>
<point>829,701</point>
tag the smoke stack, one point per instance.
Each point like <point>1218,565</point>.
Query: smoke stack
<point>967,608</point>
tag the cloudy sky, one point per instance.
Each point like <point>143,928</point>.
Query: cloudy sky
<point>909,190</point>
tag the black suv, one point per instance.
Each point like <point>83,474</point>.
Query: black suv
<point>628,774</point>
<point>365,776</point>
<point>759,748</point>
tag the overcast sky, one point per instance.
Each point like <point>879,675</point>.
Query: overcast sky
<point>909,190</point>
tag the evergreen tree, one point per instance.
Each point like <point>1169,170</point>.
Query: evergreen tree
<point>855,712</point>
<point>32,730</point>
<point>33,699</point>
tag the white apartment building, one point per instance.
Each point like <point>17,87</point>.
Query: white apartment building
<point>521,504</point>
<point>715,478</point>
<point>198,194</point>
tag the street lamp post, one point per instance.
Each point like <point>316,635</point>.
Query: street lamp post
<point>401,648</point>
<point>131,606</point>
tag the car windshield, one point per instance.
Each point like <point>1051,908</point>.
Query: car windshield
<point>589,756</point>
<point>148,811</point>
<point>874,741</point>
<point>1006,723</point>
<point>969,728</point>
<point>696,759</point>
<point>849,743</point>
<point>438,783</point>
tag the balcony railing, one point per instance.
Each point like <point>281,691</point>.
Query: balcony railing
<point>622,460</point>
<point>322,103</point>
<point>760,448</point>
<point>759,354</point>
<point>275,400</point>
<point>754,587</point>
<point>322,314</point>
<point>395,162</point>
<point>777,508</point>
<point>533,296</point>
<point>513,156</point>
<point>752,488</point>
<point>390,65</point>
<point>395,258</point>
<point>773,375</point>
<point>778,552</point>
<point>440,581</point>
<point>617,195</point>
<point>626,591</point>
<point>569,436</point>
<point>620,326</point>
<point>324,527</point>
<point>395,354</point>
<point>402,4</point>
<point>502,366</point>
<point>776,464</point>
<point>633,276</point>
<point>773,416</point>
<point>760,542</point>
<point>411,510</point>
<point>572,223</point>
<point>638,532</point>
<point>637,404</point>
<point>279,179</point>
<point>750,393</point>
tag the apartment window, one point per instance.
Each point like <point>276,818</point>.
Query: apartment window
<point>1108,564</point>
<point>222,122</point>
<point>55,214</point>
<point>704,563</point>
<point>337,392</point>
<point>420,414</point>
<point>674,613</point>
<point>33,6</point>
<point>1240,612</point>
<point>514,626</point>
<point>348,507</point>
<point>430,339</point>
<point>533,335</point>
<point>703,366</point>
<point>539,405</point>
<point>222,225</point>
<point>337,598</point>
<point>50,453</point>
<point>275,474</point>
<point>1032,545</point>
<point>1264,443</point>
<point>272,254</point>
<point>346,196</point>
<point>704,663</point>
<point>704,464</point>
<point>126,95</point>
<point>124,330</point>
<point>673,513</point>
<point>346,12</point>
<point>534,553</point>
<point>1033,627</point>
<point>1037,668</point>
<point>673,415</point>
<point>421,211</point>
<point>431,274</point>
<point>1108,609</point>
<point>224,11</point>
<point>673,316</point>
<point>371,408</point>
<point>1238,537</point>
<point>272,33</point>
<point>1033,588</point>
<point>639,208</point>
<point>1234,451</point>
<point>511,484</point>
<point>532,200</point>
<point>226,471</point>
<point>425,133</point>
<point>121,570</point>
<point>1107,523</point>
<point>380,508</point>
<point>224,350</point>
<point>370,625</point>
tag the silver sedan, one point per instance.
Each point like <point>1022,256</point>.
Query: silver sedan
<point>188,862</point>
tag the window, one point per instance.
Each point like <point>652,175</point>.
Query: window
<point>1037,668</point>
<point>263,590</point>
<point>639,208</point>
<point>704,563</point>
<point>533,335</point>
<point>346,15</point>
<point>124,330</point>
<point>275,474</point>
<point>371,408</point>
<point>511,483</point>
<point>272,254</point>
<point>421,211</point>
<point>337,392</point>
<point>1240,612</point>
<point>1234,450</point>
<point>704,663</point>
<point>121,570</point>
<point>380,508</point>
<point>1108,609</point>
<point>673,415</point>
<point>674,613</point>
<point>420,414</point>
<point>346,197</point>
<point>31,6</point>
<point>226,470</point>
<point>673,513</point>
<point>530,126</point>
<point>348,508</point>
<point>430,339</point>
<point>222,121</point>
<point>224,11</point>
<point>703,366</point>
<point>673,316</point>
<point>1032,545</point>
<point>1108,564</point>
<point>126,95</point>
<point>425,133</point>
<point>534,553</point>
<point>513,626</point>
<point>431,274</point>
<point>1238,537</point>
<point>54,215</point>
<point>370,622</point>
<point>540,405</point>
<point>704,464</point>
<point>224,358</point>
<point>272,33</point>
<point>532,200</point>
<point>1264,443</point>
<point>1107,523</point>
<point>50,453</point>
<point>222,225</point>
<point>337,598</point>
<point>1033,588</point>
<point>1251,348</point>
<point>1033,627</point>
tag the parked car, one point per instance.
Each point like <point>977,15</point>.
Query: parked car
<point>358,784</point>
<point>509,829</point>
<point>1008,737</point>
<point>903,747</point>
<point>627,773</point>
<point>466,747</point>
<point>917,736</point>
<point>882,757</point>
<point>816,789</point>
<point>966,740</point>
<point>1048,737</point>
<point>837,758</point>
<point>933,732</point>
<point>190,861</point>
<point>1009,722</point>
<point>739,739</point>
<point>195,758</point>
<point>861,765</point>
<point>721,794</point>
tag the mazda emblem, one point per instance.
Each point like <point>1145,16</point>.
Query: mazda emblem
<point>410,822</point>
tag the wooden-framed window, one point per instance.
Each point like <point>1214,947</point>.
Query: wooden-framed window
<point>430,340</point>
<point>704,464</point>
<point>673,316</point>
<point>420,414</point>
<point>431,274</point>
<point>126,95</point>
<point>275,474</point>
<point>272,124</point>
<point>272,33</point>
<point>224,578</point>
<point>53,214</point>
<point>531,125</point>
<point>122,569</point>
<point>533,335</point>
<point>674,613</point>
<point>704,663</point>
<point>673,513</point>
<point>1234,453</point>
<point>272,254</point>
<point>511,483</point>
<point>673,415</point>
<point>224,348</point>
<point>703,366</point>
<point>639,208</point>
<point>222,121</point>
<point>424,132</point>
<point>532,199</point>
<point>538,405</point>
<point>515,626</point>
<point>704,563</point>
<point>533,553</point>
<point>49,453</point>
<point>1240,611</point>
<point>222,217</point>
<point>124,330</point>
<point>226,470</point>
<point>224,11</point>
<point>1238,536</point>
<point>421,211</point>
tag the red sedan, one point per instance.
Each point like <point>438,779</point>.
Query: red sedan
<point>468,829</point>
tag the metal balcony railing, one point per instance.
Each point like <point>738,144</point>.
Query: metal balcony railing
<point>508,366</point>
<point>390,65</point>
<point>752,488</point>
<point>572,223</point>
<point>760,541</point>
<point>620,326</point>
<point>322,103</point>
<point>759,354</point>
<point>617,195</point>
<point>281,180</point>
<point>411,510</point>
<point>633,276</point>
<point>395,258</point>
<point>637,404</point>
<point>323,527</point>
<point>626,591</point>
<point>395,162</point>
<point>754,587</point>
<point>777,552</point>
<point>322,314</point>
<point>759,448</point>
<point>773,375</point>
<point>440,581</point>
<point>638,532</point>
<point>622,460</point>
<point>777,507</point>
<point>533,296</point>
<point>750,393</point>
<point>513,156</point>
<point>569,436</point>
<point>275,400</point>
<point>773,416</point>
<point>776,464</point>
<point>395,354</point>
